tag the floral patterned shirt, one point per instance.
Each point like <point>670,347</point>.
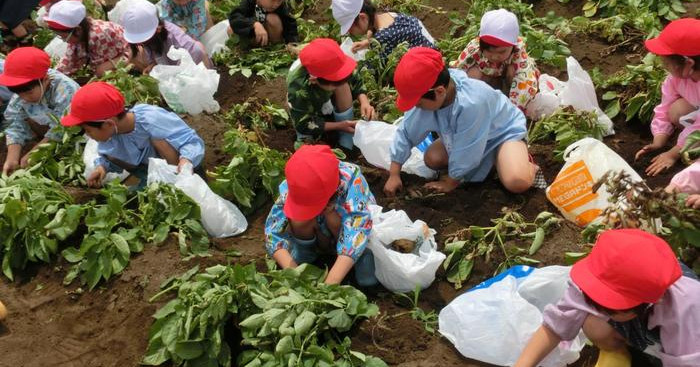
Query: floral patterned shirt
<point>352,204</point>
<point>524,86</point>
<point>47,112</point>
<point>105,42</point>
<point>191,16</point>
<point>310,106</point>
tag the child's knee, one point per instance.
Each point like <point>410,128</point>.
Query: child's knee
<point>602,334</point>
<point>678,109</point>
<point>434,161</point>
<point>517,184</point>
<point>273,25</point>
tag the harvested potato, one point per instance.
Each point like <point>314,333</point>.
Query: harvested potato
<point>403,245</point>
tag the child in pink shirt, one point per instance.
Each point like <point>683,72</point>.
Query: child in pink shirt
<point>679,46</point>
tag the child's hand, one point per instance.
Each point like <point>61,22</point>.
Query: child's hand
<point>392,185</point>
<point>360,45</point>
<point>661,162</point>
<point>260,34</point>
<point>367,111</point>
<point>693,201</point>
<point>10,166</point>
<point>646,149</point>
<point>24,162</point>
<point>445,185</point>
<point>96,177</point>
<point>184,166</point>
<point>345,126</point>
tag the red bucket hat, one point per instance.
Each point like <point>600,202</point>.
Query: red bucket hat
<point>626,268</point>
<point>680,37</point>
<point>415,75</point>
<point>94,102</point>
<point>324,59</point>
<point>23,65</point>
<point>312,177</point>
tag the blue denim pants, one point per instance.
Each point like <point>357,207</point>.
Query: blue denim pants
<point>304,251</point>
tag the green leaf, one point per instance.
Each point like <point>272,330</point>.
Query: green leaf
<point>188,349</point>
<point>613,109</point>
<point>121,245</point>
<point>339,319</point>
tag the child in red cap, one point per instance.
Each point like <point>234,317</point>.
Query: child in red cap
<point>321,91</point>
<point>499,57</point>
<point>126,139</point>
<point>478,127</point>
<point>679,48</point>
<point>42,96</point>
<point>630,291</point>
<point>322,202</point>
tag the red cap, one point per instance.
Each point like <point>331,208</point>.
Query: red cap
<point>23,65</point>
<point>324,59</point>
<point>57,26</point>
<point>626,268</point>
<point>680,37</point>
<point>416,74</point>
<point>94,102</point>
<point>312,177</point>
<point>494,41</point>
<point>44,2</point>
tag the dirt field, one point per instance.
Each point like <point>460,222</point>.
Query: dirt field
<point>53,325</point>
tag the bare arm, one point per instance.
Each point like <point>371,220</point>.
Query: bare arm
<point>542,342</point>
<point>284,259</point>
<point>339,270</point>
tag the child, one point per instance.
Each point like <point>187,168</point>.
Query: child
<point>263,22</point>
<point>629,291</point>
<point>499,58</point>
<point>42,96</point>
<point>478,126</point>
<point>91,42</point>
<point>191,15</point>
<point>127,138</point>
<point>322,202</point>
<point>12,14</point>
<point>361,18</point>
<point>679,47</point>
<point>150,38</point>
<point>321,91</point>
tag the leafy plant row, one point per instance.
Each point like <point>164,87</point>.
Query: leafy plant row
<point>286,318</point>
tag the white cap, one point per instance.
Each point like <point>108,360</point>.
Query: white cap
<point>67,14</point>
<point>140,22</point>
<point>345,12</point>
<point>500,28</point>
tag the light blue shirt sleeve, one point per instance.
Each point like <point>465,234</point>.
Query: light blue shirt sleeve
<point>414,128</point>
<point>16,129</point>
<point>162,124</point>
<point>276,235</point>
<point>62,90</point>
<point>356,218</point>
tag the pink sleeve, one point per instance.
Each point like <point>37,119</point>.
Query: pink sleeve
<point>566,317</point>
<point>688,130</point>
<point>669,94</point>
<point>688,180</point>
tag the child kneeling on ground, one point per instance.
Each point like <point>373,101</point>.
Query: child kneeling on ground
<point>630,291</point>
<point>42,96</point>
<point>477,125</point>
<point>263,22</point>
<point>322,202</point>
<point>128,138</point>
<point>321,91</point>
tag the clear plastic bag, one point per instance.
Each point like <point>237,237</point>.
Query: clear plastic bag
<point>187,87</point>
<point>220,217</point>
<point>374,138</point>
<point>494,321</point>
<point>56,48</point>
<point>214,39</point>
<point>402,272</point>
<point>90,154</point>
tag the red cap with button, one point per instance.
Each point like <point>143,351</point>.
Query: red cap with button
<point>23,65</point>
<point>680,37</point>
<point>312,177</point>
<point>324,59</point>
<point>627,267</point>
<point>416,74</point>
<point>94,102</point>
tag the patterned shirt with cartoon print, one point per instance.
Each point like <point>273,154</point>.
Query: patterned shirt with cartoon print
<point>524,86</point>
<point>352,204</point>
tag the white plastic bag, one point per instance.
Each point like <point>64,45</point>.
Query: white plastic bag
<point>578,92</point>
<point>214,39</point>
<point>400,272</point>
<point>56,48</point>
<point>586,161</point>
<point>187,87</point>
<point>89,156</point>
<point>40,15</point>
<point>220,217</point>
<point>346,46</point>
<point>374,138</point>
<point>494,321</point>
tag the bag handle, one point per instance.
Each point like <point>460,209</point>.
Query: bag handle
<point>575,145</point>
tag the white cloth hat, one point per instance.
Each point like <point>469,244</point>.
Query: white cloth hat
<point>345,12</point>
<point>66,13</point>
<point>500,28</point>
<point>140,22</point>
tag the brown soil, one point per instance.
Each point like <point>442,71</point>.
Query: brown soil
<point>53,325</point>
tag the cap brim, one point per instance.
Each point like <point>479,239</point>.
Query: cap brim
<point>495,41</point>
<point>139,37</point>
<point>11,81</point>
<point>597,290</point>
<point>345,27</point>
<point>344,72</point>
<point>301,212</point>
<point>54,25</point>
<point>70,120</point>
<point>404,104</point>
<point>657,47</point>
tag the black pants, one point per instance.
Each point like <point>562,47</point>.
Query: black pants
<point>14,12</point>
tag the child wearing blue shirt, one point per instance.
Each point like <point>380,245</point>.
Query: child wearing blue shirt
<point>322,202</point>
<point>128,138</point>
<point>41,97</point>
<point>478,127</point>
